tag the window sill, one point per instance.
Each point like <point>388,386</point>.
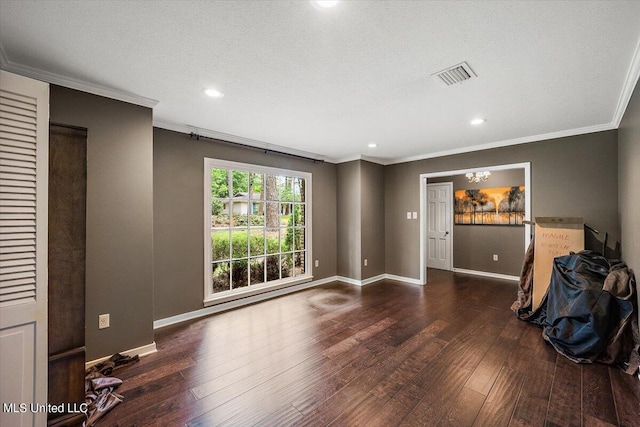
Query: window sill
<point>233,295</point>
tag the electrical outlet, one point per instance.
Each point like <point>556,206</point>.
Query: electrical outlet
<point>317,263</point>
<point>408,215</point>
<point>495,257</point>
<point>103,321</point>
<point>414,215</point>
<point>365,262</point>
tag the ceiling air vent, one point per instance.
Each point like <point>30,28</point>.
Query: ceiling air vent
<point>456,74</point>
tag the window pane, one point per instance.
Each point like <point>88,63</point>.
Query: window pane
<point>256,242</point>
<point>273,267</point>
<point>285,190</point>
<point>273,240</point>
<point>298,258</point>
<point>220,277</point>
<point>298,189</point>
<point>257,186</point>
<point>240,215</point>
<point>285,214</point>
<point>272,217</point>
<point>257,271</point>
<point>271,187</point>
<point>286,239</point>
<point>286,267</point>
<point>256,216</point>
<point>298,239</point>
<point>218,208</point>
<point>220,246</point>
<point>298,214</point>
<point>240,184</point>
<point>219,183</point>
<point>239,244</point>
<point>239,274</point>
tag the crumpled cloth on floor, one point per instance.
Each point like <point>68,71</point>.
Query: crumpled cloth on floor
<point>99,387</point>
<point>589,312</point>
<point>525,285</point>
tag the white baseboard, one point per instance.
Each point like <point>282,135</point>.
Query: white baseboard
<point>140,351</point>
<point>377,278</point>
<point>373,279</point>
<point>486,274</point>
<point>160,323</point>
<point>403,279</point>
<point>358,282</point>
<point>349,280</point>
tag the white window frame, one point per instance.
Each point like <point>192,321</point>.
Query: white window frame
<point>211,298</point>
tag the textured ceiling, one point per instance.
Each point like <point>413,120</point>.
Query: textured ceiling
<point>329,82</point>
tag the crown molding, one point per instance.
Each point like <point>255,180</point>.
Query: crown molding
<point>376,160</point>
<point>73,83</point>
<point>627,90</point>
<point>345,159</point>
<point>508,142</point>
<point>384,162</point>
<point>177,127</point>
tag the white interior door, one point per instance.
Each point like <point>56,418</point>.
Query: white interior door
<point>439,227</point>
<point>24,146</point>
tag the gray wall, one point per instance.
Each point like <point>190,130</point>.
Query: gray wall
<point>372,214</point>
<point>573,176</point>
<point>350,224</point>
<point>628,179</point>
<point>119,274</point>
<point>178,209</point>
<point>360,193</point>
<point>475,245</point>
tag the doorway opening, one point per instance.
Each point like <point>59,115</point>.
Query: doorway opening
<point>427,211</point>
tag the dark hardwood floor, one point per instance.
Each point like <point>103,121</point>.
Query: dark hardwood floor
<point>449,353</point>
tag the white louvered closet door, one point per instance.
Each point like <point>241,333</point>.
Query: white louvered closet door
<point>24,142</point>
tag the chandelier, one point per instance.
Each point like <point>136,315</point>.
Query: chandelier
<point>478,176</point>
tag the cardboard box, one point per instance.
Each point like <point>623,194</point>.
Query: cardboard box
<point>554,236</point>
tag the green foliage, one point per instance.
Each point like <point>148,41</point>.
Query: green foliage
<point>216,207</point>
<point>239,220</point>
<point>239,269</point>
<point>240,183</point>
<point>284,190</point>
<point>220,245</point>
<point>292,233</point>
<point>219,183</point>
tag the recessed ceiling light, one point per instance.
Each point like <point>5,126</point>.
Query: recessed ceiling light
<point>478,121</point>
<point>214,93</point>
<point>326,3</point>
<point>372,145</point>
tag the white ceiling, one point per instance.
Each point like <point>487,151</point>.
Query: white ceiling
<point>329,82</point>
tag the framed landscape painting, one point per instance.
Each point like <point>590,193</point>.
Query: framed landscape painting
<point>489,206</point>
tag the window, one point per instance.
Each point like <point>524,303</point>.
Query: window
<point>257,229</point>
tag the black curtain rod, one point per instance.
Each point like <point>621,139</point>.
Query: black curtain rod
<point>264,150</point>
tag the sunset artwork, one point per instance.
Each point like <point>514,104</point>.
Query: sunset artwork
<point>489,206</point>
